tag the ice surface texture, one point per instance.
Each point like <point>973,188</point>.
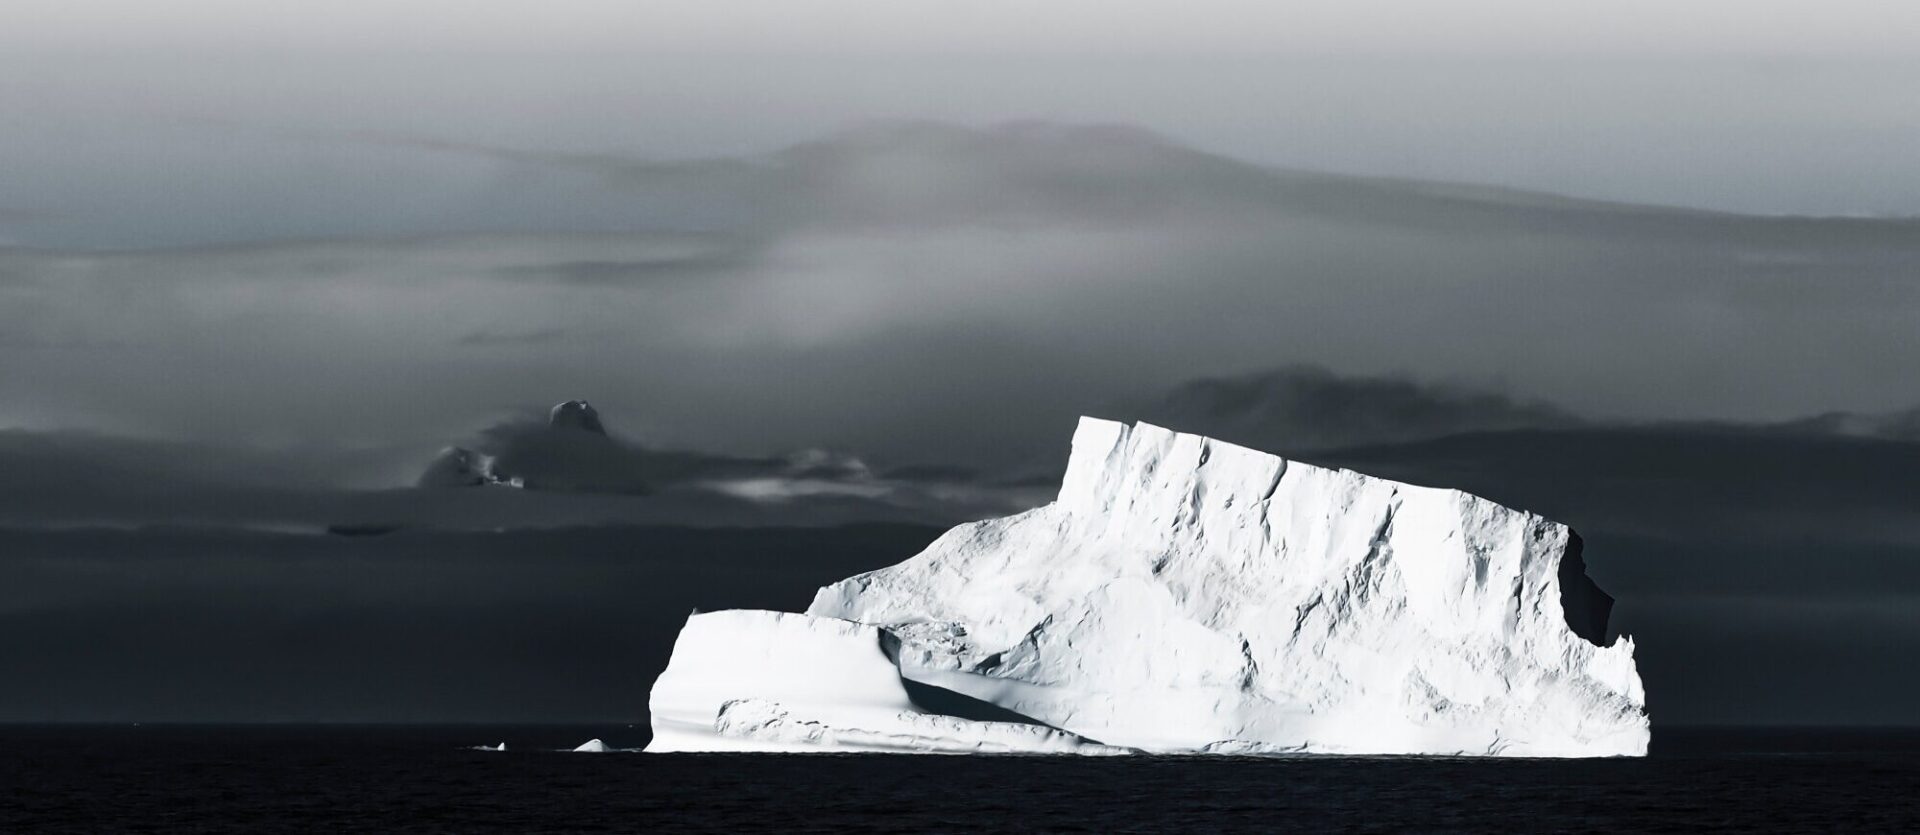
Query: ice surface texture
<point>776,681</point>
<point>1186,595</point>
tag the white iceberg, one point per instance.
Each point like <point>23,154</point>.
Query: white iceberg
<point>1189,596</point>
<point>777,681</point>
<point>592,746</point>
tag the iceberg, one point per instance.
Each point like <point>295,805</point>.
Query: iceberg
<point>744,680</point>
<point>1184,595</point>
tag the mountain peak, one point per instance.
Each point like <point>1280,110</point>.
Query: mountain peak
<point>576,414</point>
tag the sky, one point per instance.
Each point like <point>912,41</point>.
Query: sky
<point>1768,107</point>
<point>1651,269</point>
<point>1069,26</point>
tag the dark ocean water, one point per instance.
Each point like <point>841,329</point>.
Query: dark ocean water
<point>427,779</point>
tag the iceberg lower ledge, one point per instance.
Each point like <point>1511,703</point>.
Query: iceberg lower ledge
<point>811,684</point>
<point>1185,596</point>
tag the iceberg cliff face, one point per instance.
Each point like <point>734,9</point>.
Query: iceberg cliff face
<point>1186,595</point>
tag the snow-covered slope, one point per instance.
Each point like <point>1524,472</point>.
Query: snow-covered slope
<point>1188,595</point>
<point>776,681</point>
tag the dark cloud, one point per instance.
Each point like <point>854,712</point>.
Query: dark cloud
<point>86,461</point>
<point>1702,482</point>
<point>1901,425</point>
<point>933,472</point>
<point>1301,408</point>
<point>1305,408</point>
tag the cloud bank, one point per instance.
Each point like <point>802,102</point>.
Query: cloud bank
<point>927,293</point>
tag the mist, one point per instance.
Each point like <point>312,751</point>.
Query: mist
<point>928,293</point>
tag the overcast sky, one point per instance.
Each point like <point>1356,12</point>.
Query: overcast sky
<point>1380,26</point>
<point>1770,107</point>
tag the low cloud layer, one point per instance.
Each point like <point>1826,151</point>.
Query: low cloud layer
<point>927,293</point>
<point>520,472</point>
<point>571,451</point>
<point>1302,408</point>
